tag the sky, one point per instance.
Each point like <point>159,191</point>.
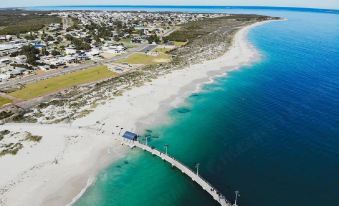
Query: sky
<point>328,4</point>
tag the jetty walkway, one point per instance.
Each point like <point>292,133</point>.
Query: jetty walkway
<point>184,169</point>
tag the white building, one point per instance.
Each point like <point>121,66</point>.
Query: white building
<point>4,77</point>
<point>7,48</point>
<point>70,50</point>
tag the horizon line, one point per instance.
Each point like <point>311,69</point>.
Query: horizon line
<point>201,6</point>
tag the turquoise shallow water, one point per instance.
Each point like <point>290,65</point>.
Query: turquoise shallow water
<point>270,130</point>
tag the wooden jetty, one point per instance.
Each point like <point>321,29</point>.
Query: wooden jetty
<point>184,169</point>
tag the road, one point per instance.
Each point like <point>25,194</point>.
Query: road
<point>148,48</point>
<point>170,32</point>
<point>32,78</point>
<point>65,21</point>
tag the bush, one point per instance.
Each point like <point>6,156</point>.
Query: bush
<point>33,138</point>
<point>11,149</point>
<point>15,23</point>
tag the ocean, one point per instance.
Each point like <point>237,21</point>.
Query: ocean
<point>269,130</point>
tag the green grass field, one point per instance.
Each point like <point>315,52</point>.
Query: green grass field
<point>179,43</point>
<point>4,101</point>
<point>162,50</point>
<point>68,80</point>
<point>127,43</point>
<point>140,58</point>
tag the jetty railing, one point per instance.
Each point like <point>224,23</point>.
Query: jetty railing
<point>204,184</point>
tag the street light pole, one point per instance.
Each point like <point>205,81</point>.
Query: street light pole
<point>197,166</point>
<point>166,147</point>
<point>236,197</point>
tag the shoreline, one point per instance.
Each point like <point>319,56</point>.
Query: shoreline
<point>196,85</point>
<point>86,146</point>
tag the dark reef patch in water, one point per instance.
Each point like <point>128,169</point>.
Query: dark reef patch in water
<point>183,110</point>
<point>194,95</point>
<point>155,136</point>
<point>148,131</point>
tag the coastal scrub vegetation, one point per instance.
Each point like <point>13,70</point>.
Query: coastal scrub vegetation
<point>15,22</point>
<point>33,138</point>
<point>11,148</point>
<point>196,29</point>
<point>12,142</point>
<point>3,133</point>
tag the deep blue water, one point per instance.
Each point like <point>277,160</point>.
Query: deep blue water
<point>270,130</point>
<point>187,8</point>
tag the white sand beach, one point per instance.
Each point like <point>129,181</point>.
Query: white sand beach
<point>54,171</point>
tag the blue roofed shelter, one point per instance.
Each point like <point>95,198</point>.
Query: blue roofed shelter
<point>130,136</point>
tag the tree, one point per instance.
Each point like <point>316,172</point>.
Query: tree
<point>153,38</point>
<point>68,37</point>
<point>116,38</point>
<point>49,38</point>
<point>43,35</point>
<point>55,53</point>
<point>44,51</point>
<point>165,39</point>
<point>79,43</point>
<point>14,54</point>
<point>31,54</point>
<point>118,24</point>
<point>88,39</point>
<point>59,39</point>
<point>30,37</point>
